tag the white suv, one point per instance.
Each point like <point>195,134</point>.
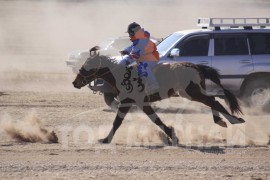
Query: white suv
<point>239,48</point>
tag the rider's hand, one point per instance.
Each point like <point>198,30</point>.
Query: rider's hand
<point>124,53</point>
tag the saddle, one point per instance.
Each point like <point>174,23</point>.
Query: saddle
<point>161,66</point>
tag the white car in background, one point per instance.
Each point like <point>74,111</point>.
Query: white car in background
<point>110,47</point>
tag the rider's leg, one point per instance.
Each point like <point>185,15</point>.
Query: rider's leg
<point>126,61</point>
<point>145,71</point>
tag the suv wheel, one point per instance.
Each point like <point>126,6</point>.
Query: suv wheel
<point>111,100</point>
<point>257,93</point>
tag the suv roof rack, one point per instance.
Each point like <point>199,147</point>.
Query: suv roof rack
<point>247,23</point>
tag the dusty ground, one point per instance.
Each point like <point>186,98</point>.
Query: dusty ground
<point>80,118</point>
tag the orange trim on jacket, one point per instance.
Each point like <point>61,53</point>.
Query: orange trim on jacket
<point>143,49</point>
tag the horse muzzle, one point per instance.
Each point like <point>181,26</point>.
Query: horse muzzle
<point>76,85</point>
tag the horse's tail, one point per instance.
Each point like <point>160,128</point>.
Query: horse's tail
<point>213,75</point>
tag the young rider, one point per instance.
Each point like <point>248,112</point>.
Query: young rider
<point>144,52</point>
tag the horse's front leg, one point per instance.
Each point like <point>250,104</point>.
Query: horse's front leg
<point>147,109</point>
<point>121,113</point>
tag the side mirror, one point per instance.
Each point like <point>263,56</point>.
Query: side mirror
<point>175,52</point>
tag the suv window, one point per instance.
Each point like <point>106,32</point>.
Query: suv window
<point>194,46</point>
<point>227,44</point>
<point>259,43</point>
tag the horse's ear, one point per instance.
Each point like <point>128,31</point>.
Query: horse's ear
<point>93,51</point>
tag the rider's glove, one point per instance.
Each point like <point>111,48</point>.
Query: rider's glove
<point>124,53</point>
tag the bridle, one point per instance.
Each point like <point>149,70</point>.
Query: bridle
<point>83,73</point>
<point>87,78</point>
<point>92,76</point>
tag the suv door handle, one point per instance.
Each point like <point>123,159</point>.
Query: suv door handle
<point>245,61</point>
<point>203,62</point>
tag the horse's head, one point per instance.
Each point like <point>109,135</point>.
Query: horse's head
<point>84,77</point>
<point>90,70</point>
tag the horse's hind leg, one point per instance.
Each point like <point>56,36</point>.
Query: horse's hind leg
<point>147,109</point>
<point>121,113</point>
<point>194,91</point>
<point>217,119</point>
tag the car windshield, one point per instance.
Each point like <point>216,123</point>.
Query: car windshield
<point>168,42</point>
<point>111,47</point>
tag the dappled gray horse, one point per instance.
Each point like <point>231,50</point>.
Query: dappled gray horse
<point>183,78</point>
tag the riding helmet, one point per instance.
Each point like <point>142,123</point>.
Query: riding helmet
<point>133,28</point>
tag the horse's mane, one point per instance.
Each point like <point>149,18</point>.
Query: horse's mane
<point>109,60</point>
<point>94,51</point>
<point>100,60</point>
<point>96,59</point>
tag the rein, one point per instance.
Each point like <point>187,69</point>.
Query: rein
<point>94,75</point>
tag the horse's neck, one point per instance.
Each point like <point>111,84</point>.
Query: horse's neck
<point>119,77</point>
<point>112,73</point>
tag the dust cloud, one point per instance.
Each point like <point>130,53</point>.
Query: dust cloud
<point>29,129</point>
<point>37,36</point>
<point>196,129</point>
<point>145,133</point>
<point>193,125</point>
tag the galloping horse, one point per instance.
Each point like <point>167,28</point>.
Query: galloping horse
<point>183,78</point>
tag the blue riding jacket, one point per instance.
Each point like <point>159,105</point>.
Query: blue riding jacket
<point>142,48</point>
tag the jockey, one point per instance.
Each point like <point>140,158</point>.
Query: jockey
<point>144,52</point>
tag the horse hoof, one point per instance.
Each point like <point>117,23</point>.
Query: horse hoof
<point>222,123</point>
<point>175,141</point>
<point>241,120</point>
<point>172,140</point>
<point>235,120</point>
<point>169,142</point>
<point>103,141</point>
